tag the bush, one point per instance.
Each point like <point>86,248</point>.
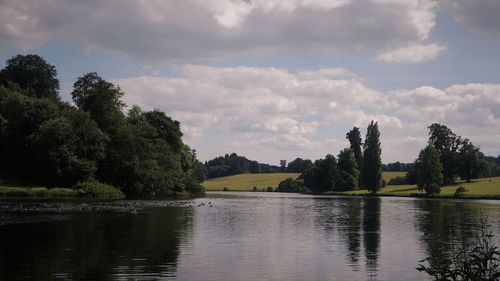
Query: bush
<point>397,181</point>
<point>225,189</point>
<point>291,185</point>
<point>459,192</point>
<point>254,189</point>
<point>269,189</point>
<point>96,190</point>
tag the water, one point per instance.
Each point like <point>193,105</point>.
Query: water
<point>233,236</point>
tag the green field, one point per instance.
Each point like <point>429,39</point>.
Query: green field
<point>390,175</point>
<point>487,187</point>
<point>246,182</point>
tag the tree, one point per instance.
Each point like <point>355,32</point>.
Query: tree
<point>33,74</point>
<point>372,163</point>
<point>298,165</point>
<point>447,144</point>
<point>470,164</point>
<point>354,137</point>
<point>322,176</point>
<point>349,174</point>
<point>100,98</point>
<point>66,149</point>
<point>283,165</point>
<point>429,170</point>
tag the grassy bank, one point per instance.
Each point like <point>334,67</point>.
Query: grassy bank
<point>246,182</point>
<point>86,190</point>
<point>479,188</point>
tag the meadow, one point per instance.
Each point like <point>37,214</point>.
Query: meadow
<point>478,188</point>
<point>246,182</point>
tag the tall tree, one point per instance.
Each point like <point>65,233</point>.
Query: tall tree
<point>33,74</point>
<point>448,145</point>
<point>354,137</point>
<point>429,170</point>
<point>470,164</point>
<point>372,163</point>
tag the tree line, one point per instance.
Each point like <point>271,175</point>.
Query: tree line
<point>57,144</point>
<point>358,166</point>
<point>233,164</point>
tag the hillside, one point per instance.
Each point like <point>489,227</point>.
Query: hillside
<point>246,182</point>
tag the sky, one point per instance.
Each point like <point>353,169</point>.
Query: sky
<point>280,79</point>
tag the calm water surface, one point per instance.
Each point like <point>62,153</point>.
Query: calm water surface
<point>233,236</point>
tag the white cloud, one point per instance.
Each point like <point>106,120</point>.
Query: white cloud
<point>413,53</point>
<point>304,111</point>
<point>155,31</point>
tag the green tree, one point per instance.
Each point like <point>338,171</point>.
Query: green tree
<point>322,176</point>
<point>298,165</point>
<point>429,170</point>
<point>448,145</point>
<point>470,164</point>
<point>283,165</point>
<point>349,174</point>
<point>33,75</point>
<point>65,150</point>
<point>355,141</point>
<point>372,163</point>
<point>100,98</point>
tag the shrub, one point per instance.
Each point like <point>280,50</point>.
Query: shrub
<point>96,190</point>
<point>225,189</point>
<point>459,192</point>
<point>254,189</point>
<point>269,189</point>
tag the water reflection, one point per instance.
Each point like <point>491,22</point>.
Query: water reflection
<point>94,246</point>
<point>352,220</point>
<point>447,223</point>
<point>371,232</point>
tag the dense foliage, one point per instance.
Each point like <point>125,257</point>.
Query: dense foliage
<point>233,164</point>
<point>53,143</point>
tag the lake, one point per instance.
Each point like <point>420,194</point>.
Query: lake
<point>233,236</point>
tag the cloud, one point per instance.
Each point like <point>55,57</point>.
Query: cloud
<point>304,111</point>
<point>414,53</point>
<point>156,31</point>
<point>481,15</point>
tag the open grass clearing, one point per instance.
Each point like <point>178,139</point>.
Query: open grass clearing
<point>246,182</point>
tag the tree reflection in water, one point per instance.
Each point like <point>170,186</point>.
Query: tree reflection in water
<point>95,245</point>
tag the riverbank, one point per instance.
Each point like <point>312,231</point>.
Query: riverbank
<point>86,190</point>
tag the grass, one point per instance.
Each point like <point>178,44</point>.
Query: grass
<point>390,175</point>
<point>85,190</point>
<point>37,192</point>
<point>246,182</point>
<point>479,188</point>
